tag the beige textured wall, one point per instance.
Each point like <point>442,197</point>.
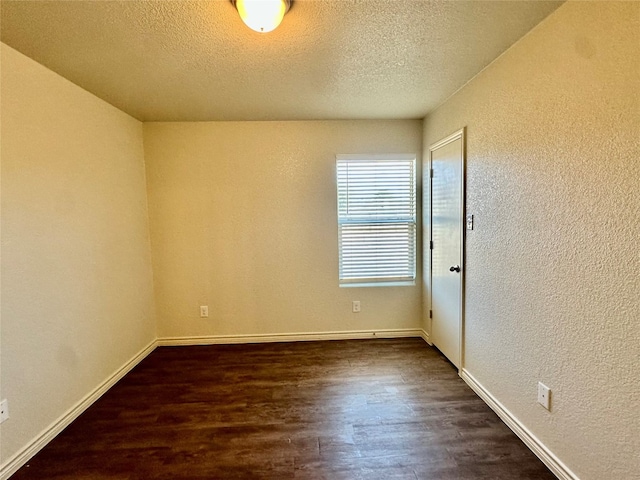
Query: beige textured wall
<point>553,265</point>
<point>77,299</point>
<point>243,219</point>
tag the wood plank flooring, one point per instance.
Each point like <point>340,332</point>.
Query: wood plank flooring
<point>355,409</point>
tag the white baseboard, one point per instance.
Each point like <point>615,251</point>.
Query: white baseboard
<point>24,455</point>
<point>535,445</point>
<point>290,337</point>
<point>425,336</point>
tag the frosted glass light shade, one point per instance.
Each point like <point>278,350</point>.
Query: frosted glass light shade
<point>262,15</point>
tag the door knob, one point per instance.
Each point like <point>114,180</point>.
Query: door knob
<point>455,268</point>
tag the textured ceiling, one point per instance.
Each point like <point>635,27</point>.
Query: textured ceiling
<point>164,60</point>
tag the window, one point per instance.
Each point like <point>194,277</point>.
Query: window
<point>376,219</point>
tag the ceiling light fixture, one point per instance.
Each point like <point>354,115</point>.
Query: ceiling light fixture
<point>262,15</point>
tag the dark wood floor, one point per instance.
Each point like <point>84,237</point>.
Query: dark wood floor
<point>357,409</point>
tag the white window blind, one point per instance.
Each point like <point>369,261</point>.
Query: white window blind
<point>376,218</point>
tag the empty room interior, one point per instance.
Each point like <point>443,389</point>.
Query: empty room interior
<point>192,283</point>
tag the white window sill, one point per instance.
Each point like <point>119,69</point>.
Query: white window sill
<point>380,284</point>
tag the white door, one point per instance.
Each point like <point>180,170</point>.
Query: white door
<point>447,236</point>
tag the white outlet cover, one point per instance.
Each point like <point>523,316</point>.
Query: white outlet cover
<point>544,395</point>
<point>4,410</point>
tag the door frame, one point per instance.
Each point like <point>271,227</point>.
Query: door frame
<point>461,135</point>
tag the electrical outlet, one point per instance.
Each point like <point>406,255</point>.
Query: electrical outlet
<point>204,311</point>
<point>544,396</point>
<point>355,306</point>
<point>4,410</point>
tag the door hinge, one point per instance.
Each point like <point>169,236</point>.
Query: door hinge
<point>430,313</point>
<point>431,172</point>
<point>430,244</point>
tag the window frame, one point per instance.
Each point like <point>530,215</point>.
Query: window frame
<point>411,222</point>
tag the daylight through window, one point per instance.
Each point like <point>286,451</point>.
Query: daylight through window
<point>376,218</point>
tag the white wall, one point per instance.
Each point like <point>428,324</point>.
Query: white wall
<point>553,264</point>
<point>243,219</point>
<point>77,300</point>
